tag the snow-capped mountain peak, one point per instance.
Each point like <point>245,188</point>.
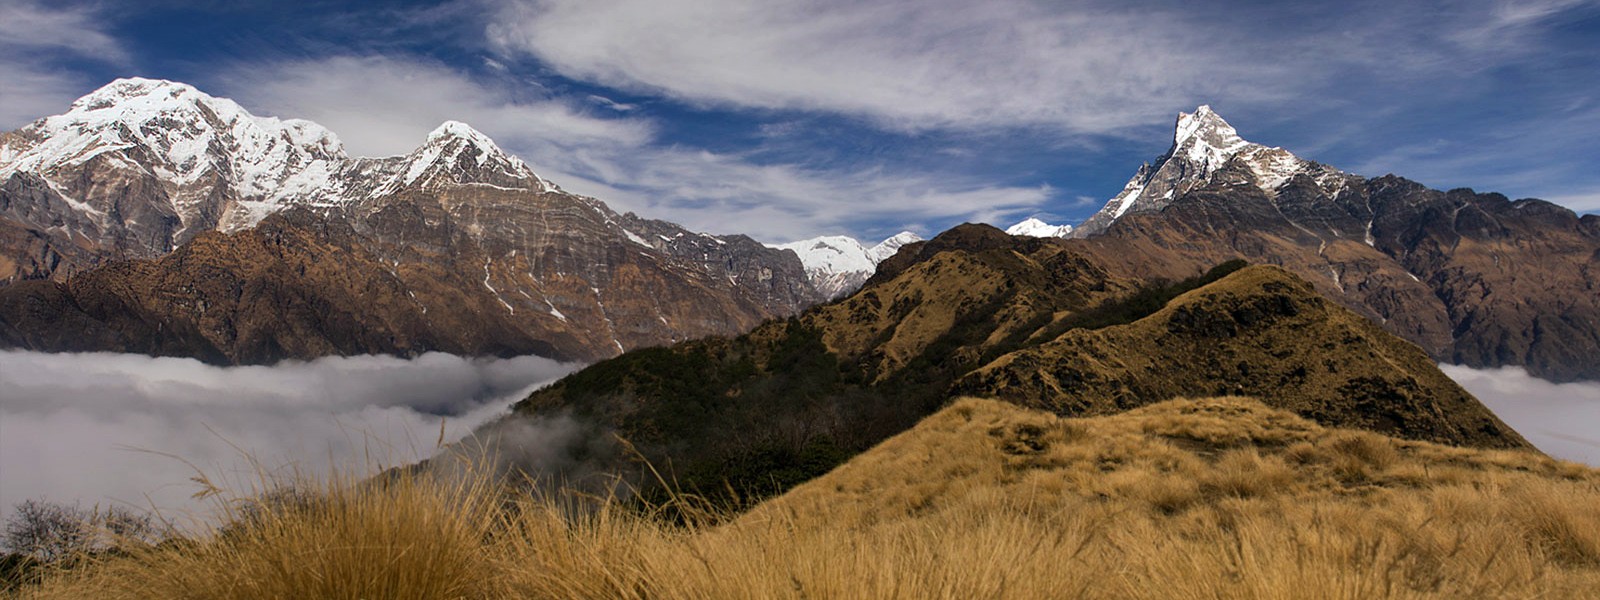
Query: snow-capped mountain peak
<point>832,254</point>
<point>1033,227</point>
<point>189,134</point>
<point>455,153</point>
<point>186,162</point>
<point>1205,138</point>
<point>888,247</point>
<point>838,264</point>
<point>464,136</point>
<point>1203,143</point>
<point>215,164</point>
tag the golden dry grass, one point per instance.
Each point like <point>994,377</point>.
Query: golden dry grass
<point>1216,498</point>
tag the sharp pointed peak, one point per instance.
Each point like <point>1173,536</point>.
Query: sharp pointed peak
<point>1206,124</point>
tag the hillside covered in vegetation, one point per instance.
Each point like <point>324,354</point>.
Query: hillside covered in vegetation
<point>1210,498</point>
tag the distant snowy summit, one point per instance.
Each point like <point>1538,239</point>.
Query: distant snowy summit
<point>182,162</point>
<point>838,265</point>
<point>1033,227</point>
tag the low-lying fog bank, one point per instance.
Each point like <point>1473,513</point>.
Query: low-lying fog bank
<point>110,428</point>
<point>1562,419</point>
<point>84,427</point>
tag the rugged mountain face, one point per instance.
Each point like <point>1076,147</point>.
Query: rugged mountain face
<point>976,310</point>
<point>140,166</point>
<point>456,230</point>
<point>1475,279</point>
<point>838,265</point>
<point>1203,144</point>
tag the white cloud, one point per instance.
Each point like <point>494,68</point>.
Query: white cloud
<point>382,106</point>
<point>778,203</point>
<point>75,30</point>
<point>1562,419</point>
<point>911,65</point>
<point>72,425</point>
<point>386,105</point>
<point>1082,67</point>
<point>32,38</point>
<point>1581,202</point>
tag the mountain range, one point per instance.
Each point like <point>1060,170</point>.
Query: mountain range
<point>152,217</point>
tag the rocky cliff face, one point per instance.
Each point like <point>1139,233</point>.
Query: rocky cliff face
<point>456,246</point>
<point>1475,279</point>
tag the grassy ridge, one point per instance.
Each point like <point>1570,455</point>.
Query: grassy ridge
<point>756,415</point>
<point>1219,498</point>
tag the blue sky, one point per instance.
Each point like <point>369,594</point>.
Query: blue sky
<point>787,120</point>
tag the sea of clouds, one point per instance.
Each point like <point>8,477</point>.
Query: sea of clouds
<point>102,428</point>
<point>1562,419</point>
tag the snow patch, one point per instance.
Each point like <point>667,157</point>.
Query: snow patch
<point>1032,227</point>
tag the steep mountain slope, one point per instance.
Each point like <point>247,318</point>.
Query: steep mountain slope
<point>1473,278</point>
<point>458,229</point>
<point>1203,144</point>
<point>140,166</point>
<point>838,265</point>
<point>787,401</point>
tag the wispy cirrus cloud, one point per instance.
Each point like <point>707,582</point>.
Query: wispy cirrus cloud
<point>1342,82</point>
<point>1084,67</point>
<point>907,65</point>
<point>34,39</point>
<point>385,105</point>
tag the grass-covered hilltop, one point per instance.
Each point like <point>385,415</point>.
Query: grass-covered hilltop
<point>1209,498</point>
<point>989,417</point>
<point>977,312</point>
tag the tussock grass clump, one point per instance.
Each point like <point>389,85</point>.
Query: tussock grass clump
<point>981,500</point>
<point>398,537</point>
